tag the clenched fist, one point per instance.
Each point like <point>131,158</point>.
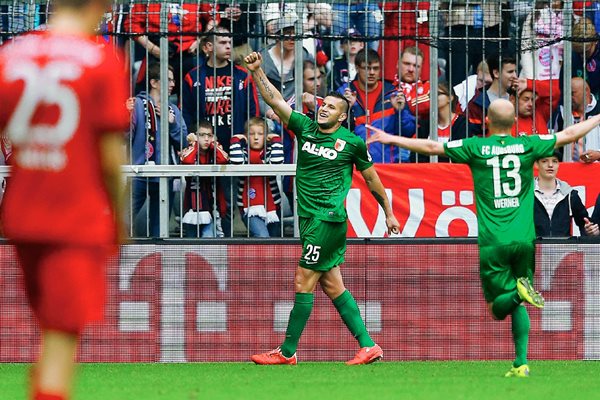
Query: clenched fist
<point>253,61</point>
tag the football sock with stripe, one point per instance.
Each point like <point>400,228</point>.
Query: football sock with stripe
<point>299,315</point>
<point>505,304</point>
<point>520,331</point>
<point>348,309</point>
<point>46,396</point>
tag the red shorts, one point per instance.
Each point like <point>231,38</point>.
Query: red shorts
<point>65,284</point>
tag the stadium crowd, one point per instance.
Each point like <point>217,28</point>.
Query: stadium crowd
<point>385,81</point>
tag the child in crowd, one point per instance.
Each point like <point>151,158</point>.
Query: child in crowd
<point>198,201</point>
<point>258,196</point>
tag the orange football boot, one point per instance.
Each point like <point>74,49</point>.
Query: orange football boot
<point>274,357</point>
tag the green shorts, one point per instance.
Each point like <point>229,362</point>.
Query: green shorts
<point>500,266</point>
<point>323,243</point>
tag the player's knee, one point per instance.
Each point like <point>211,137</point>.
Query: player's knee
<point>333,291</point>
<point>490,307</point>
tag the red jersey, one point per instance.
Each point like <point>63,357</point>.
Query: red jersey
<point>547,99</point>
<point>60,93</point>
<point>408,19</point>
<point>182,18</point>
<point>417,96</point>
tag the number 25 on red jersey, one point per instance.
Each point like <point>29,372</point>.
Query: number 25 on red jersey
<point>47,114</point>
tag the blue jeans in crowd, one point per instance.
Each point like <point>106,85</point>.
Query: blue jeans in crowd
<point>203,231</point>
<point>258,227</point>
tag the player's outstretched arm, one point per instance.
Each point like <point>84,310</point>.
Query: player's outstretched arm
<point>269,93</point>
<point>378,191</point>
<point>422,146</point>
<point>577,131</point>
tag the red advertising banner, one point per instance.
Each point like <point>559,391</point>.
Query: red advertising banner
<point>185,303</point>
<point>437,200</point>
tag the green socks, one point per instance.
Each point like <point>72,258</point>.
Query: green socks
<point>520,331</point>
<point>303,304</point>
<point>505,304</point>
<point>348,310</point>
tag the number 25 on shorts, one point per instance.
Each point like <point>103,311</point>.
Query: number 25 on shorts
<point>312,254</point>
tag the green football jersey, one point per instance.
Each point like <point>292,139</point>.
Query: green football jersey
<point>324,168</point>
<point>502,169</point>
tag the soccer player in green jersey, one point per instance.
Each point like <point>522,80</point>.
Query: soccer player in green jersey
<point>326,156</point>
<point>502,169</point>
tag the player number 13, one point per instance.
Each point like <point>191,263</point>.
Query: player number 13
<point>512,164</point>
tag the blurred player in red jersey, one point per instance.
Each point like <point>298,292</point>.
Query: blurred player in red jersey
<point>62,100</point>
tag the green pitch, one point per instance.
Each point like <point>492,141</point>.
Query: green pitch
<point>571,380</point>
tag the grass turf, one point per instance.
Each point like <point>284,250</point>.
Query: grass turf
<point>384,380</point>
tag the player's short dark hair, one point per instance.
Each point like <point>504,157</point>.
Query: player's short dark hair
<point>340,96</point>
<point>365,55</point>
<point>497,61</point>
<point>154,71</point>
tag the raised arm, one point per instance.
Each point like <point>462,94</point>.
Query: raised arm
<point>422,146</point>
<point>378,191</point>
<point>269,93</point>
<point>577,131</point>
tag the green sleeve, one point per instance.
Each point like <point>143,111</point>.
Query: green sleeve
<point>299,123</point>
<point>459,151</point>
<point>542,145</point>
<point>362,158</point>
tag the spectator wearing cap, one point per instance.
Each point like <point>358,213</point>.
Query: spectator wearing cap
<point>586,54</point>
<point>344,67</point>
<point>556,203</point>
<point>364,16</point>
<point>279,60</point>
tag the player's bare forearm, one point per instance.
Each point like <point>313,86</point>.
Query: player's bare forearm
<point>377,190</point>
<point>577,131</point>
<point>422,146</point>
<point>111,160</point>
<point>271,95</point>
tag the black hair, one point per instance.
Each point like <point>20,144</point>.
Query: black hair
<point>365,55</point>
<point>495,63</point>
<point>154,71</point>
<point>340,96</point>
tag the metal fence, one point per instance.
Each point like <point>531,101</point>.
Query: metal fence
<point>178,61</point>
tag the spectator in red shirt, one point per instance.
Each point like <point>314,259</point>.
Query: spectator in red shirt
<point>408,19</point>
<point>67,156</point>
<point>187,20</point>
<point>416,92</point>
<point>258,197</point>
<point>533,104</point>
<point>199,201</point>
